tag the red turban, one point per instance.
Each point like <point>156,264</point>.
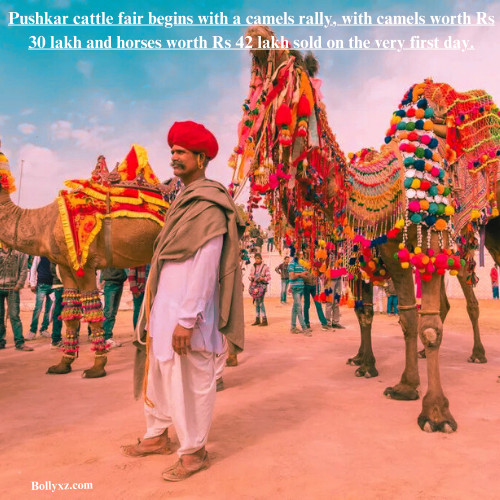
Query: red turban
<point>194,137</point>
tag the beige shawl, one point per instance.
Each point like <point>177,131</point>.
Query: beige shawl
<point>202,211</point>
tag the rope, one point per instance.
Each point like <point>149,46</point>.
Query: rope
<point>428,313</point>
<point>407,308</point>
<point>147,311</point>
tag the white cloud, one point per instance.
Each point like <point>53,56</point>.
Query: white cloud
<point>43,174</point>
<point>26,128</point>
<point>85,68</point>
<point>26,111</point>
<point>3,120</point>
<point>38,161</point>
<point>90,137</point>
<point>61,129</point>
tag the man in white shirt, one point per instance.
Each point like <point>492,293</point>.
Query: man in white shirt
<point>193,294</point>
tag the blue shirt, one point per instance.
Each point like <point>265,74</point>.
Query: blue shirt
<point>295,267</point>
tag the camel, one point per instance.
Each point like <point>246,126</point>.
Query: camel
<point>40,232</point>
<point>268,93</point>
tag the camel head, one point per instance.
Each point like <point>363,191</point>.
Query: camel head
<point>254,36</point>
<point>267,60</point>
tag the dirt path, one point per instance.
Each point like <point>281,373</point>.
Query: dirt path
<point>292,423</point>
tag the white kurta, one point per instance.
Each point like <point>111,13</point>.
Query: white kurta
<point>182,388</point>
<point>188,294</point>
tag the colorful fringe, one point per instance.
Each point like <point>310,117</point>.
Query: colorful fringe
<point>70,345</point>
<point>93,314</point>
<point>473,136</point>
<point>92,307</point>
<point>72,305</point>
<point>376,199</point>
<point>97,339</point>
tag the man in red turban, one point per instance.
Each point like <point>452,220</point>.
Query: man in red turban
<point>193,295</point>
<point>193,146</point>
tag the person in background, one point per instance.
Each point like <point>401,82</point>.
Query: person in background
<point>337,293</point>
<point>259,276</point>
<point>137,277</point>
<point>270,239</point>
<point>297,275</point>
<point>13,273</point>
<point>311,290</point>
<point>378,299</point>
<point>113,288</point>
<point>57,290</point>
<point>244,257</point>
<point>392,299</point>
<point>494,281</point>
<point>259,241</point>
<point>282,270</point>
<point>41,285</point>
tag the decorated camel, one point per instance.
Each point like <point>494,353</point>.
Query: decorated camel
<point>107,220</point>
<point>394,203</point>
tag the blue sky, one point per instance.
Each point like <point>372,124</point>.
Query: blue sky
<point>61,109</point>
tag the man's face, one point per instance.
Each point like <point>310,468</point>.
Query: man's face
<point>184,162</point>
<point>258,260</point>
<point>286,260</point>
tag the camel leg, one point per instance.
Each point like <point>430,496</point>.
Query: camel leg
<point>444,309</point>
<point>435,415</point>
<point>365,358</point>
<point>478,353</point>
<point>71,314</point>
<point>356,360</point>
<point>407,388</point>
<point>94,316</point>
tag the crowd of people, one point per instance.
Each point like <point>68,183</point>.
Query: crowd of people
<point>303,286</point>
<point>254,238</point>
<point>16,269</point>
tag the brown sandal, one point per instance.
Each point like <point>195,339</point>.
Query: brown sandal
<point>178,471</point>
<point>136,450</point>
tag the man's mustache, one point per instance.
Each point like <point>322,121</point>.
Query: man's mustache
<point>176,164</point>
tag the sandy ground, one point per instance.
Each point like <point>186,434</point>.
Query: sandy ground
<point>293,422</point>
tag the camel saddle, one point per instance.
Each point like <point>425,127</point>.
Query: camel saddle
<point>130,190</point>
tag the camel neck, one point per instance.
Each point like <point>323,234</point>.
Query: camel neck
<point>9,220</point>
<point>24,230</point>
<point>4,197</point>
